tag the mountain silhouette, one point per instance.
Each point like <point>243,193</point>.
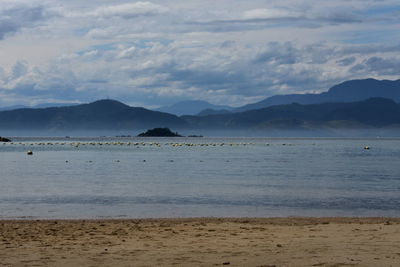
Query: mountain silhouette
<point>373,112</point>
<point>349,91</point>
<point>340,107</point>
<point>102,114</point>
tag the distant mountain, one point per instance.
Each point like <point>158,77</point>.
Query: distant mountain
<point>44,105</point>
<point>12,107</point>
<point>114,115</point>
<point>102,114</point>
<point>52,105</point>
<point>349,91</point>
<point>191,107</point>
<point>210,111</point>
<point>374,112</point>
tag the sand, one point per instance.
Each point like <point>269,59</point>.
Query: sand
<point>202,242</point>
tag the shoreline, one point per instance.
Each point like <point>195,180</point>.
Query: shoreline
<point>284,241</point>
<point>268,220</point>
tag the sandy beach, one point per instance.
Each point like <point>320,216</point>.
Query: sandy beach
<point>202,242</point>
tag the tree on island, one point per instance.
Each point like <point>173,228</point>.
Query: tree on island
<point>159,132</point>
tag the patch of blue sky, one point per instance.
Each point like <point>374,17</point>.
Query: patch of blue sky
<point>97,81</point>
<point>370,37</point>
<point>81,31</point>
<point>99,47</point>
<point>381,10</point>
<point>103,47</point>
<point>146,43</point>
<point>143,43</point>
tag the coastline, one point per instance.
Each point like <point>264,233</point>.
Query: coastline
<point>292,241</point>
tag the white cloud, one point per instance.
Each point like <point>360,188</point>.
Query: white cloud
<point>235,73</point>
<point>15,17</point>
<point>129,10</point>
<point>100,33</point>
<point>270,13</point>
<point>144,52</point>
<point>127,53</point>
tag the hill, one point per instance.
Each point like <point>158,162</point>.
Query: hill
<point>159,132</point>
<point>102,114</point>
<point>349,91</point>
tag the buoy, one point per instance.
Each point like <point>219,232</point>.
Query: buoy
<point>366,147</point>
<point>29,152</point>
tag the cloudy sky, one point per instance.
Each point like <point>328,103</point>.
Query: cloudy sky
<point>161,52</point>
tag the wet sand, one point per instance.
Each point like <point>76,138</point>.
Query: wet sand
<point>202,242</point>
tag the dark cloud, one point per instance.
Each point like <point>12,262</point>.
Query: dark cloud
<point>19,69</point>
<point>383,66</point>
<point>210,79</point>
<point>375,66</point>
<point>290,53</point>
<point>339,17</point>
<point>346,61</point>
<point>228,44</point>
<point>13,19</point>
<point>279,53</point>
<point>243,24</point>
<point>358,68</point>
<point>368,49</point>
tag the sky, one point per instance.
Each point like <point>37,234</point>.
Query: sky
<point>229,52</point>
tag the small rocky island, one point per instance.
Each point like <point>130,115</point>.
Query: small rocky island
<point>159,132</point>
<point>3,139</point>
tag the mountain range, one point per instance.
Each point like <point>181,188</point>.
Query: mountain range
<point>113,115</point>
<point>370,113</point>
<point>347,105</point>
<point>348,91</point>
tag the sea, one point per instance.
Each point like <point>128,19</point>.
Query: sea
<point>130,177</point>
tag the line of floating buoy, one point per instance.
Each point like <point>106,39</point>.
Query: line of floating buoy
<point>136,144</point>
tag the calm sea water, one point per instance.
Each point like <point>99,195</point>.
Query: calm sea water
<point>194,177</point>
